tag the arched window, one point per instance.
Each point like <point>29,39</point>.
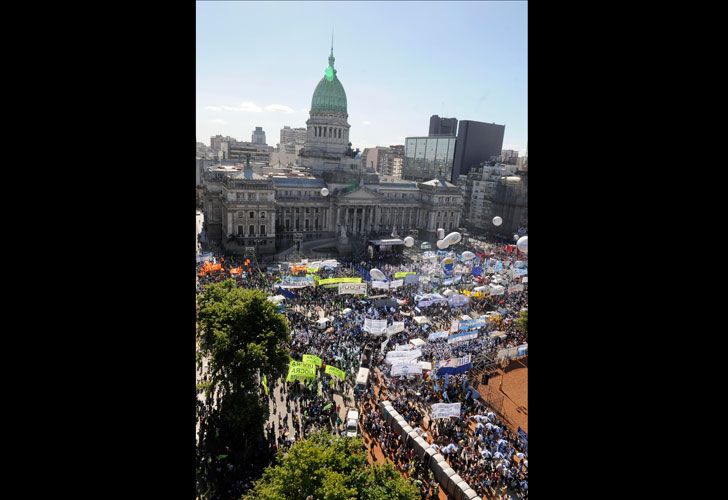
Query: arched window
<point>330,131</point>
<point>315,134</point>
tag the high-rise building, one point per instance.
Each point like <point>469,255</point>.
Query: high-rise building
<point>217,142</point>
<point>443,126</point>
<point>292,136</point>
<point>496,191</point>
<point>258,136</point>
<point>428,158</point>
<point>476,142</point>
<point>509,157</point>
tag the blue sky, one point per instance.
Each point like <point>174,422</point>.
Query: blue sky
<point>258,64</point>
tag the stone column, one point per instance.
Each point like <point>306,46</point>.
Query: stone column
<point>346,218</point>
<point>229,223</point>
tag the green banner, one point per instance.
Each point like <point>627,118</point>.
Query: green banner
<point>402,274</point>
<point>312,360</point>
<point>298,364</point>
<point>336,281</point>
<point>265,384</point>
<point>332,370</point>
<point>301,372</point>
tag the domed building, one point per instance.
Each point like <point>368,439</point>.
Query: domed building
<point>327,129</point>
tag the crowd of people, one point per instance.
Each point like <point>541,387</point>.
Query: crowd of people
<point>479,446</point>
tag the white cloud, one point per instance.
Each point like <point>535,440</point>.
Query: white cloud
<point>366,123</point>
<point>246,106</point>
<point>304,110</point>
<point>282,108</point>
<point>219,120</point>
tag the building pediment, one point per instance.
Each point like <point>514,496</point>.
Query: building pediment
<point>361,194</point>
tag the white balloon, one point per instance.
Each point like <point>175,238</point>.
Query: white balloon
<point>440,233</point>
<point>324,192</point>
<point>453,238</point>
<point>442,244</point>
<point>522,244</point>
<point>409,241</point>
<point>376,274</point>
<point>515,237</point>
<point>497,221</point>
<point>468,255</point>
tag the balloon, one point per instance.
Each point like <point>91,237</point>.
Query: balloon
<point>409,241</point>
<point>468,255</point>
<point>324,192</point>
<point>442,244</point>
<point>515,237</point>
<point>447,263</point>
<point>440,233</point>
<point>522,244</point>
<point>377,275</point>
<point>453,238</point>
<point>497,221</point>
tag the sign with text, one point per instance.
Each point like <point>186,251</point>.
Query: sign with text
<point>352,288</point>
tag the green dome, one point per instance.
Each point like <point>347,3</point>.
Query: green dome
<point>329,96</point>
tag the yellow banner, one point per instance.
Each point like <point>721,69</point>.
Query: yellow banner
<point>335,281</point>
<point>332,370</point>
<point>312,360</point>
<point>402,274</point>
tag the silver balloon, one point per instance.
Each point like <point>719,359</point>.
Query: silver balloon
<point>376,274</point>
<point>497,221</point>
<point>522,244</point>
<point>409,241</point>
<point>453,238</point>
<point>324,192</point>
<point>442,244</point>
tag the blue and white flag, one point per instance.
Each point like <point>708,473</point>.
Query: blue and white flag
<point>453,366</point>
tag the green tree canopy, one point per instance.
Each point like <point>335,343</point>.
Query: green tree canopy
<point>242,337</point>
<point>330,467</point>
<point>522,322</point>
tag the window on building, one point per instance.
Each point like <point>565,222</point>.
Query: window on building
<point>262,229</point>
<point>307,210</point>
<point>251,230</point>
<point>262,215</point>
<point>240,231</point>
<point>306,224</point>
<point>298,225</point>
<point>288,225</point>
<point>252,215</point>
<point>241,215</point>
<point>316,224</point>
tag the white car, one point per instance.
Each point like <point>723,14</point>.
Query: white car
<point>352,423</point>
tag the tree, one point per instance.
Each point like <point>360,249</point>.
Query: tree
<point>329,467</point>
<point>242,336</point>
<point>522,323</point>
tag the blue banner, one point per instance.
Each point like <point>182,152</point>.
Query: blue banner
<point>453,366</point>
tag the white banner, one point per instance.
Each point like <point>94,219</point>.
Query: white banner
<point>380,284</point>
<point>396,327</point>
<point>399,369</point>
<point>404,347</point>
<point>437,335</point>
<point>460,337</point>
<point>403,356</point>
<point>444,410</point>
<point>396,284</point>
<point>375,326</point>
<point>355,288</point>
<point>515,288</point>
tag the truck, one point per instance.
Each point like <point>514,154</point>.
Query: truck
<point>362,380</point>
<point>352,423</point>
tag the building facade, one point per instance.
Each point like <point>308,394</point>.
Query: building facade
<point>267,211</point>
<point>496,191</point>
<point>443,126</point>
<point>509,157</point>
<point>239,151</point>
<point>258,136</point>
<point>476,142</point>
<point>427,158</point>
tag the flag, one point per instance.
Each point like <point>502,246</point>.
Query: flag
<point>265,384</point>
